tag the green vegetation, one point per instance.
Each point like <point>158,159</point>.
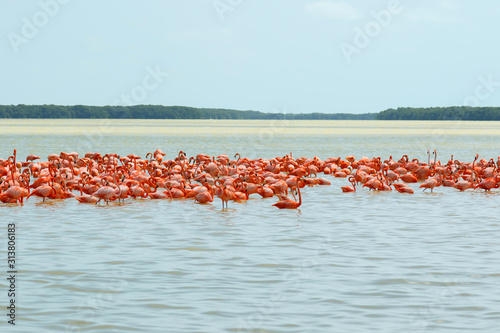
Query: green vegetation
<point>184,112</point>
<point>157,112</point>
<point>447,113</point>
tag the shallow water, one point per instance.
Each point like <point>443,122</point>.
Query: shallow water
<point>377,262</point>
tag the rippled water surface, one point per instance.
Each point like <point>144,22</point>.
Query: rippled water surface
<point>356,262</point>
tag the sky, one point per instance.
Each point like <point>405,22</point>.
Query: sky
<point>292,56</point>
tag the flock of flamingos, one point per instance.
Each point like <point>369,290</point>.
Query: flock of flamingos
<point>202,178</point>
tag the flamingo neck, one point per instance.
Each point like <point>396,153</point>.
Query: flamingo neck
<point>300,196</point>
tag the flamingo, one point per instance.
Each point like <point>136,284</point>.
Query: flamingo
<point>176,193</point>
<point>289,204</point>
<point>463,185</point>
<point>409,178</point>
<point>14,194</point>
<point>430,183</point>
<point>350,188</point>
<point>489,183</point>
<point>43,191</point>
<point>159,195</point>
<point>204,197</point>
<point>106,193</point>
<point>87,199</point>
<point>223,193</point>
<point>265,191</point>
<point>323,181</point>
<point>373,184</point>
<point>403,188</point>
<point>31,158</point>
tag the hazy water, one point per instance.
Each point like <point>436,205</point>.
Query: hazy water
<point>358,262</point>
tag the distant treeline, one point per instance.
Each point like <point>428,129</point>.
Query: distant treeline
<point>185,112</point>
<point>443,113</point>
<point>159,112</point>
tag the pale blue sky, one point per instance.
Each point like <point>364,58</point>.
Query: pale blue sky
<point>268,55</point>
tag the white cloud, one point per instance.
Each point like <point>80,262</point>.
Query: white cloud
<point>339,10</point>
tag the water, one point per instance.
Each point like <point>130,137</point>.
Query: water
<point>360,262</point>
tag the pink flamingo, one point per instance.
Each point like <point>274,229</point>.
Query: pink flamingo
<point>289,204</point>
